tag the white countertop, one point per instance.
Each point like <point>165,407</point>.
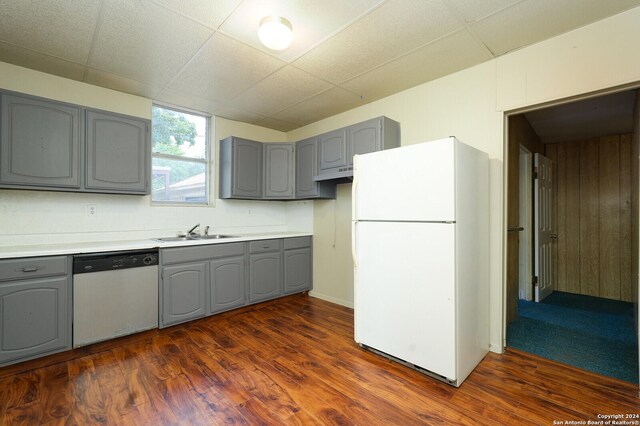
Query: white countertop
<point>107,246</point>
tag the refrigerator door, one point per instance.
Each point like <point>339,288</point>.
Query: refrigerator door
<point>405,292</point>
<point>411,183</point>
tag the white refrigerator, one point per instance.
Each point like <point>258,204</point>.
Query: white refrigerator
<point>421,256</point>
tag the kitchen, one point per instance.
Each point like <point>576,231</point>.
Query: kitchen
<point>530,76</point>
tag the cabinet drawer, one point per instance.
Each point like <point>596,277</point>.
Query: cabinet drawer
<point>32,267</point>
<point>297,242</point>
<point>189,254</point>
<point>262,246</point>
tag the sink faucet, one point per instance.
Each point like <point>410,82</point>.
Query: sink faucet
<point>206,230</point>
<point>190,231</point>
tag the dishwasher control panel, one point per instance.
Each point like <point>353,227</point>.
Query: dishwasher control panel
<point>97,262</point>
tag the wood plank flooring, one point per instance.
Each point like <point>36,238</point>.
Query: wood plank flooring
<point>292,361</point>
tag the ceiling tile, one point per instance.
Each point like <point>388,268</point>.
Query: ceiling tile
<point>210,13</point>
<point>223,68</point>
<point>312,21</point>
<point>144,41</point>
<point>122,84</point>
<point>472,10</point>
<point>326,104</point>
<point>535,20</point>
<point>62,28</point>
<point>176,98</point>
<point>40,62</point>
<point>272,123</point>
<point>396,27</point>
<point>450,54</point>
<point>281,89</point>
<point>238,115</point>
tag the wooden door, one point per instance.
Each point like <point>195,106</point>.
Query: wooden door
<point>542,226</point>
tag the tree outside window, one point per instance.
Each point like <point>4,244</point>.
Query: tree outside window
<point>180,167</point>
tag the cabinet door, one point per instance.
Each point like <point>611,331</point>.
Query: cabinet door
<point>278,170</point>
<point>297,270</point>
<point>365,137</point>
<point>332,150</point>
<point>265,276</point>
<point>306,168</point>
<point>39,143</point>
<point>247,168</point>
<point>183,293</point>
<point>117,153</point>
<point>227,283</point>
<point>34,318</point>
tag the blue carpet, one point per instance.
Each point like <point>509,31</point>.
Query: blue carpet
<point>591,333</point>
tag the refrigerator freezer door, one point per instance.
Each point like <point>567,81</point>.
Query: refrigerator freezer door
<point>411,183</point>
<point>405,292</point>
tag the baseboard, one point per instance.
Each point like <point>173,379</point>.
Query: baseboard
<point>331,299</point>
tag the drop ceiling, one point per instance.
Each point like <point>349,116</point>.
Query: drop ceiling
<point>205,54</point>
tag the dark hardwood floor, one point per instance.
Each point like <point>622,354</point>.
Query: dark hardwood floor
<point>291,361</point>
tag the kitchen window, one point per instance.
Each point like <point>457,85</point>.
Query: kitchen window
<point>180,167</point>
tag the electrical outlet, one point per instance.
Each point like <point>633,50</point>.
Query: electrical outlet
<point>92,210</point>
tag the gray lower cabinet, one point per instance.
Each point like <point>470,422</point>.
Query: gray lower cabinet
<point>307,169</point>
<point>279,171</point>
<point>297,265</point>
<point>227,283</point>
<point>265,270</point>
<point>39,142</point>
<point>117,147</point>
<point>240,168</point>
<point>201,280</point>
<point>35,308</point>
<point>183,293</point>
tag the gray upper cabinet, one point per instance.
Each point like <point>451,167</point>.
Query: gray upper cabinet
<point>361,138</point>
<point>240,168</point>
<point>279,170</point>
<point>35,307</point>
<point>365,137</point>
<point>183,293</point>
<point>57,146</point>
<point>307,168</point>
<point>39,142</point>
<point>332,151</point>
<point>117,159</point>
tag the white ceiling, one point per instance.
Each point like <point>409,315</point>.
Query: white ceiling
<point>205,54</point>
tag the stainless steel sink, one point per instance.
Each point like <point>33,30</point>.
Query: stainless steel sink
<point>196,237</point>
<point>216,236</point>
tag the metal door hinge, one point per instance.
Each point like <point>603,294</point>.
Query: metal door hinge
<point>535,280</point>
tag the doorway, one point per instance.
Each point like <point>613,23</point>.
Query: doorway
<point>588,318</point>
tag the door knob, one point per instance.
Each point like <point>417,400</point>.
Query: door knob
<point>554,236</point>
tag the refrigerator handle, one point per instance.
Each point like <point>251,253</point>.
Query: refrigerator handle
<point>353,244</point>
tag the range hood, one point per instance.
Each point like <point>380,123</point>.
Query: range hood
<point>343,174</point>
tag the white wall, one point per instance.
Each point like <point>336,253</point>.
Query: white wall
<point>35,217</point>
<point>471,105</point>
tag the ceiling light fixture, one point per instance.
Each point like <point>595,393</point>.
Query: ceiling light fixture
<point>275,32</point>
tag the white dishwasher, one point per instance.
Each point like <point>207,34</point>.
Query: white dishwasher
<point>114,294</point>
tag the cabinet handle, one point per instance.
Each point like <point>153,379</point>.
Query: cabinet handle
<point>265,246</point>
<point>30,269</point>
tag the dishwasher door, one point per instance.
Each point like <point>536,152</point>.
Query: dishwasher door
<point>115,303</point>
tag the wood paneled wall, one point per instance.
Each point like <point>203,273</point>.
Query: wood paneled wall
<point>592,216</point>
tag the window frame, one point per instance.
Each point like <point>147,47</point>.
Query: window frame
<point>207,161</point>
